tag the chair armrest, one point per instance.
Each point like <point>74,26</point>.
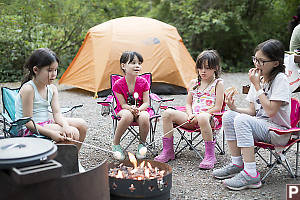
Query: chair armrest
<point>68,109</point>
<point>155,117</point>
<point>180,108</point>
<point>108,101</point>
<point>157,98</point>
<point>21,121</point>
<point>282,132</point>
<point>104,103</point>
<point>18,122</point>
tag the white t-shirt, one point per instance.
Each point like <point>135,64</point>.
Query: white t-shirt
<point>279,91</point>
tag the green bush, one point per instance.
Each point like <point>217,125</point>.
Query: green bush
<point>232,27</point>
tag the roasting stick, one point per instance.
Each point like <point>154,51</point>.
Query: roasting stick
<point>116,153</point>
<point>143,150</point>
<point>188,121</point>
<point>90,145</point>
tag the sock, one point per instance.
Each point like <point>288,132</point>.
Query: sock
<point>250,168</point>
<point>237,160</point>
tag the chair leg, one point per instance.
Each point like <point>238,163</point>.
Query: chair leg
<point>188,144</point>
<point>257,153</point>
<point>223,135</point>
<point>279,159</point>
<point>297,159</point>
<point>219,149</point>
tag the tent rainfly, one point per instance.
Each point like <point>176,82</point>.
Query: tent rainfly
<point>164,53</point>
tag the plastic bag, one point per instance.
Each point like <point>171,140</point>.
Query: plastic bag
<point>292,70</point>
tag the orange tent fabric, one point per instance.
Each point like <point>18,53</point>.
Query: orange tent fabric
<point>164,53</point>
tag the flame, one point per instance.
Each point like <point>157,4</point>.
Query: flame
<point>120,174</point>
<point>132,159</point>
<point>142,164</point>
<point>149,166</point>
<point>147,172</point>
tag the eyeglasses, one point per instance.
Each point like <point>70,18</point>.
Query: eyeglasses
<point>260,62</point>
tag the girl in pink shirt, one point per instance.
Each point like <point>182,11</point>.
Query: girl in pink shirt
<point>127,109</point>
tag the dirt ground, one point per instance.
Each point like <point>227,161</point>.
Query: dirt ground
<point>188,181</point>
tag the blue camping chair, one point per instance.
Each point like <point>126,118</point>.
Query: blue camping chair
<point>12,127</point>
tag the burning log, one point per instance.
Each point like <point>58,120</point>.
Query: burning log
<point>138,172</point>
<point>140,179</point>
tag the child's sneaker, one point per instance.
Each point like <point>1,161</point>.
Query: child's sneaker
<point>242,181</point>
<point>120,155</point>
<point>140,154</point>
<point>227,172</point>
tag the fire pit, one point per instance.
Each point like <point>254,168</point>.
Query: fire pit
<point>154,183</point>
<point>28,172</point>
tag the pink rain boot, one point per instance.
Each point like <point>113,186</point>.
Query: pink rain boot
<point>209,159</point>
<point>168,151</point>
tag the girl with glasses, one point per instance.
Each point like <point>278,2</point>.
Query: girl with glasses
<point>269,106</point>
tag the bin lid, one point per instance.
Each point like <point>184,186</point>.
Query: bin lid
<point>25,151</point>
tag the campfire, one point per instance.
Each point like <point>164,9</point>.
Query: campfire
<point>140,179</point>
<point>137,172</point>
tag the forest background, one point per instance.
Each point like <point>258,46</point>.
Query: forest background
<point>232,27</point>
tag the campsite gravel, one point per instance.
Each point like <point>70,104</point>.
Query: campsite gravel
<point>188,181</point>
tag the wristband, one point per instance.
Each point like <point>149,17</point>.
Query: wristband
<point>259,92</point>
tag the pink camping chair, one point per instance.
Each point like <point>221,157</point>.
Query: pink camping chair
<point>190,141</point>
<point>109,104</point>
<point>279,152</point>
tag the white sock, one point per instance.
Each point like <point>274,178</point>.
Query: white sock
<point>237,160</point>
<point>250,168</point>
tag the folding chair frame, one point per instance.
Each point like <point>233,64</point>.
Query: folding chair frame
<point>280,156</point>
<point>194,134</point>
<point>189,142</point>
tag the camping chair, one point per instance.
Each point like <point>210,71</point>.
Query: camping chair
<point>280,152</point>
<point>190,141</point>
<point>11,128</point>
<point>109,104</point>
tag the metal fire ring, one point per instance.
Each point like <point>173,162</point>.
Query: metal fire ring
<point>24,151</point>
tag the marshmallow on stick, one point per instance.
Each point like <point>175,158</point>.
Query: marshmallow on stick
<point>135,96</point>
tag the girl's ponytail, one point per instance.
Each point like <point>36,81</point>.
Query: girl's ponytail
<point>28,76</point>
<point>198,82</point>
